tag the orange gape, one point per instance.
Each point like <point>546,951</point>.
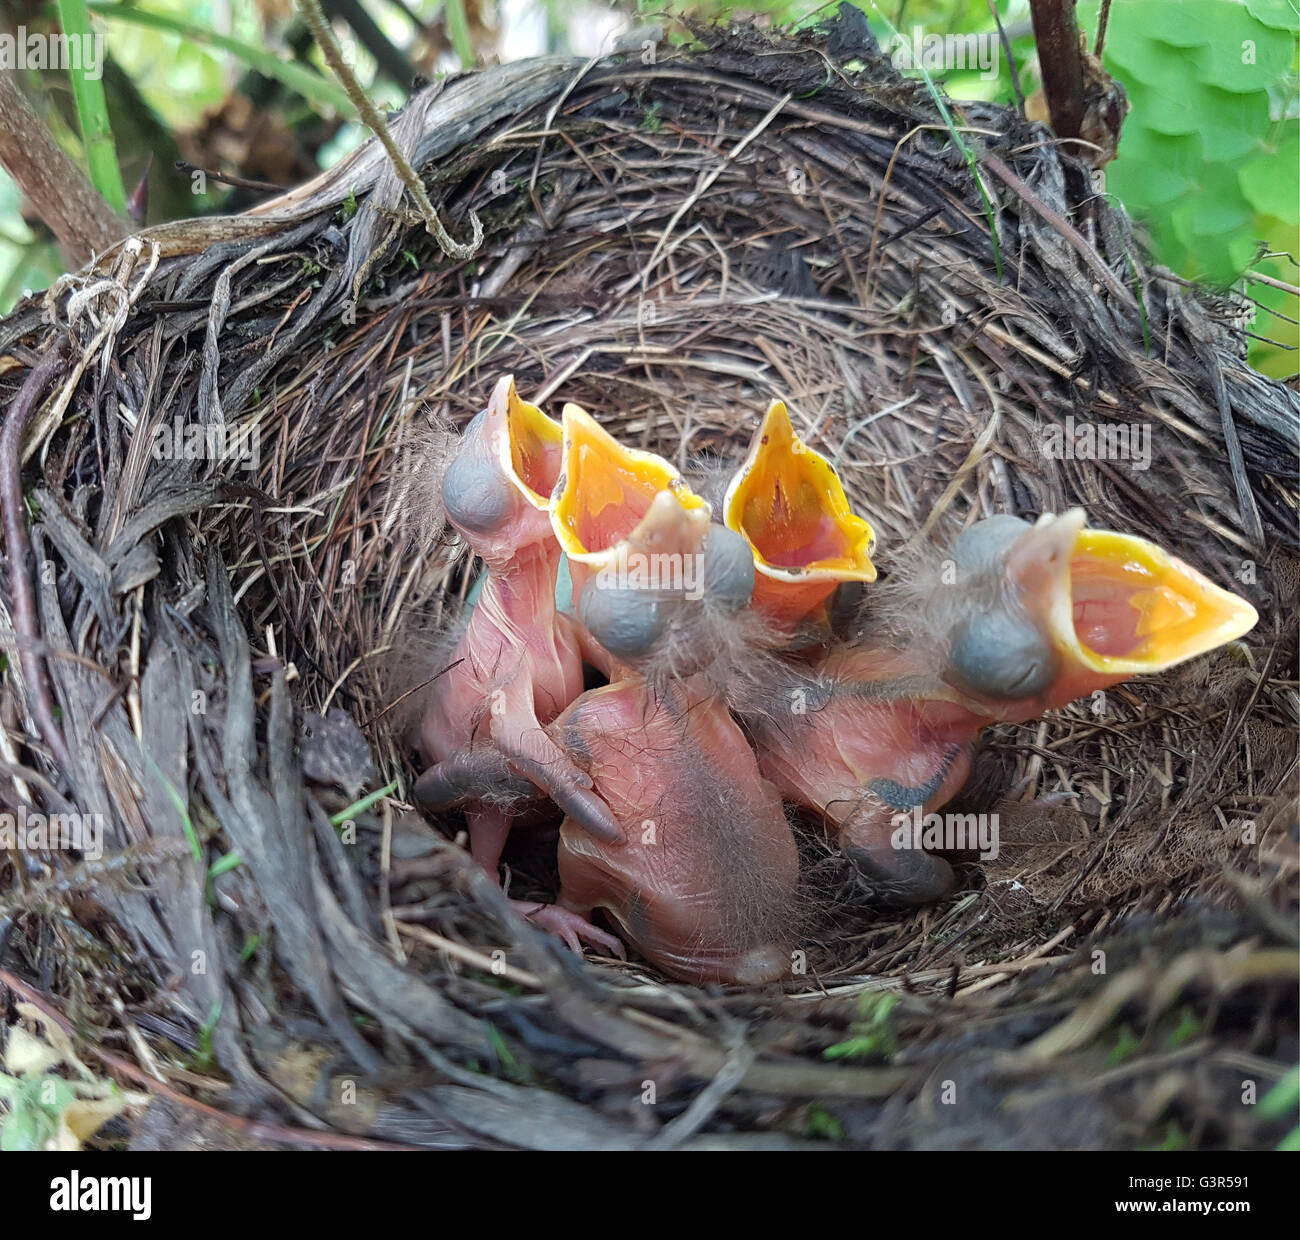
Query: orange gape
<point>673,824</point>
<point>1035,617</point>
<point>787,501</point>
<point>703,881</point>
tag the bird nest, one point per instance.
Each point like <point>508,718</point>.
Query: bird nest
<point>283,958</point>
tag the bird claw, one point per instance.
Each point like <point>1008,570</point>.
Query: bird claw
<point>572,927</point>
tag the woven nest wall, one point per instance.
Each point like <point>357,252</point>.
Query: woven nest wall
<point>671,246</point>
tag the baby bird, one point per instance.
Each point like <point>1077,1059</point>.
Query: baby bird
<point>703,881</point>
<point>1019,620</point>
<point>788,503</point>
<point>518,663</point>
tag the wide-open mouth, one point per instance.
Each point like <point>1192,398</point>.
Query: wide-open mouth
<point>1129,606</point>
<point>528,444</point>
<point>788,502</point>
<point>606,490</point>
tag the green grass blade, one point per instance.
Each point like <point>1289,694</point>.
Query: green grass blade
<point>231,861</point>
<point>92,107</point>
<point>959,142</point>
<point>360,807</point>
<point>310,85</point>
<point>180,805</point>
<point>458,29</point>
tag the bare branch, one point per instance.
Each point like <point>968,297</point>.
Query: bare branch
<point>57,189</point>
<point>1057,34</point>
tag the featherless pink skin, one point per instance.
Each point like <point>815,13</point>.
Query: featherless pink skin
<point>703,882</point>
<point>517,664</point>
<point>694,915</point>
<point>1031,619</point>
<point>703,879</point>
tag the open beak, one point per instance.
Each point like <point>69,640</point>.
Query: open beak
<point>787,501</point>
<point>1120,605</point>
<point>605,491</point>
<point>526,444</point>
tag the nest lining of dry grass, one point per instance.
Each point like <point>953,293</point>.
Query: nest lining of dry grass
<point>676,245</point>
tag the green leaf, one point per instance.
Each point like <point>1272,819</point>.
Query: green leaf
<point>822,1124</point>
<point>1188,1028</point>
<point>53,1094</point>
<point>1283,1098</point>
<point>1233,125</point>
<point>1126,1045</point>
<point>310,85</point>
<point>223,865</point>
<point>458,29</point>
<point>22,1128</point>
<point>1280,14</point>
<point>1272,184</point>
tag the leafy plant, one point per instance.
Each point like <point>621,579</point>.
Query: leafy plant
<point>1209,157</point>
<point>318,90</point>
<point>42,1110</point>
<point>873,1033</point>
<point>821,1124</point>
<point>1282,1102</point>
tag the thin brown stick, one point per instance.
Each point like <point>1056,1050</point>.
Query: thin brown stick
<point>320,30</point>
<point>1057,35</point>
<point>225,178</point>
<point>18,547</point>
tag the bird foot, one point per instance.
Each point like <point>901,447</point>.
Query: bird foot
<point>572,927</point>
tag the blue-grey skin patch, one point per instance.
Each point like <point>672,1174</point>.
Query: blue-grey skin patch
<point>564,587</point>
<point>983,548</point>
<point>1003,656</point>
<point>626,622</point>
<point>476,496</point>
<point>817,692</point>
<point>901,688</point>
<point>576,743</point>
<point>900,796</point>
<point>728,568</point>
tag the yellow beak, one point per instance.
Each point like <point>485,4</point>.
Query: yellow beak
<point>1121,605</point>
<point>606,491</point>
<point>788,502</point>
<point>526,444</point>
